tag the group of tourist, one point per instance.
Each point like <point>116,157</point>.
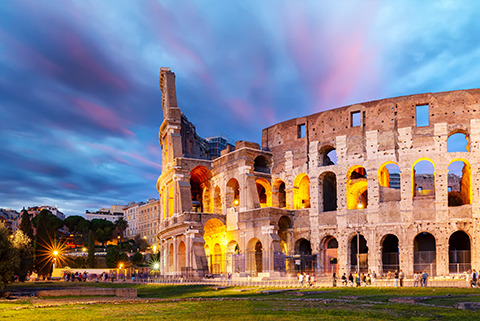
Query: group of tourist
<point>306,279</point>
<point>356,279</point>
<point>420,278</point>
<point>72,277</point>
<point>473,279</point>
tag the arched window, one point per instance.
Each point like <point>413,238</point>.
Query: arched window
<point>423,178</point>
<point>357,188</point>
<point>458,142</point>
<point>459,183</point>
<point>389,181</point>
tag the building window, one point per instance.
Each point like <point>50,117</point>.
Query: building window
<point>355,119</point>
<point>301,131</point>
<point>422,115</point>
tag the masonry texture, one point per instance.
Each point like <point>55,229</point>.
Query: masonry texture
<point>300,201</point>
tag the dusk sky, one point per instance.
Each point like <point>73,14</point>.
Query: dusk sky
<point>80,105</point>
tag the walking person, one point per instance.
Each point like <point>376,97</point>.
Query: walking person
<point>350,279</point>
<point>416,279</point>
<point>424,278</point>
<point>374,278</point>
<point>334,279</point>
<point>395,283</point>
<point>344,280</point>
<point>401,276</point>
<point>300,279</point>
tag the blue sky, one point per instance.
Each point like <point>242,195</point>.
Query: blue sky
<point>79,99</point>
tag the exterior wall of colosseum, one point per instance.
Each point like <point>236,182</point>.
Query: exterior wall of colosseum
<point>286,207</point>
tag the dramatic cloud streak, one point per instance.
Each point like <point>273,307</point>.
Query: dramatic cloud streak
<point>79,99</point>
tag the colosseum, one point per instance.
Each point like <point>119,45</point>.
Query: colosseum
<point>383,185</point>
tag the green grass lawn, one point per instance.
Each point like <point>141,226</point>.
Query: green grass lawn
<point>232,304</point>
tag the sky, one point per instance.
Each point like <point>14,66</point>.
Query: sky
<point>80,105</point>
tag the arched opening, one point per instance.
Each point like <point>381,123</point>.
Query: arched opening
<point>171,200</point>
<point>331,255</point>
<point>171,254</point>
<point>181,258</point>
<point>254,256</point>
<point>279,195</point>
<point>217,259</point>
<point>264,192</point>
<point>361,248</point>
<point>215,240</point>
<point>357,188</point>
<point>389,181</point>
<point>217,200</point>
<point>390,251</point>
<point>234,259</point>
<point>423,178</point>
<point>233,193</point>
<point>459,255</point>
<point>303,259</point>
<point>459,183</point>
<point>301,191</point>
<point>327,156</point>
<point>261,164</point>
<point>284,224</point>
<point>458,142</point>
<point>200,189</point>
<point>329,191</point>
<point>425,254</point>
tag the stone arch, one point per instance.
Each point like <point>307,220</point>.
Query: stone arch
<point>261,164</point>
<point>423,178</point>
<point>361,248</point>
<point>233,257</point>
<point>232,198</point>
<point>425,253</point>
<point>389,181</point>
<point>171,254</point>
<point>284,224</point>
<point>330,255</point>
<point>327,155</point>
<point>200,189</point>
<point>458,141</point>
<point>217,200</point>
<point>254,256</point>
<point>279,196</point>
<point>328,182</point>
<point>459,187</point>
<point>390,253</point>
<point>181,257</point>
<point>301,191</point>
<point>459,252</point>
<point>264,192</point>
<point>303,247</point>
<point>357,188</point>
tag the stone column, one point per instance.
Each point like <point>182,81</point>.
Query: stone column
<point>441,193</point>
<point>442,255</point>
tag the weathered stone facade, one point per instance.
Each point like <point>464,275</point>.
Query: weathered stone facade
<point>287,206</point>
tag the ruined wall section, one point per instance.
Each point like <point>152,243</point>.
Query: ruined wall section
<point>193,146</point>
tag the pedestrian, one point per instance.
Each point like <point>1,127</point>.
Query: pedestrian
<point>300,279</point>
<point>374,278</point>
<point>307,279</point>
<point>334,279</point>
<point>395,282</point>
<point>85,275</point>
<point>350,279</point>
<point>312,279</point>
<point>424,278</point>
<point>133,276</point>
<point>389,278</point>
<point>344,280</point>
<point>401,276</point>
<point>416,279</point>
<point>357,279</point>
<point>364,279</point>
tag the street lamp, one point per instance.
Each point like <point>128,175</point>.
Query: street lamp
<point>55,253</point>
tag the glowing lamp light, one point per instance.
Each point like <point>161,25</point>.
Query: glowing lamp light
<point>235,202</point>
<point>84,249</point>
<point>156,266</point>
<point>360,206</point>
<point>55,253</point>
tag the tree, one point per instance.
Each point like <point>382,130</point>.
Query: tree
<point>141,243</point>
<point>26,225</point>
<point>43,244</point>
<point>104,235</point>
<point>121,224</point>
<point>24,255</point>
<point>7,257</point>
<point>137,258</point>
<point>91,250</point>
<point>114,257</point>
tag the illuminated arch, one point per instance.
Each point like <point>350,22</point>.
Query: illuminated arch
<point>357,188</point>
<point>264,192</point>
<point>384,175</point>
<point>301,191</point>
<point>200,189</point>
<point>233,193</point>
<point>466,190</point>
<point>279,195</point>
<point>423,191</point>
<point>181,256</point>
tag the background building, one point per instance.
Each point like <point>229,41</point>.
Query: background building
<point>109,214</point>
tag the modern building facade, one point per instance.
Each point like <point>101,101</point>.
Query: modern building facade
<point>109,214</point>
<point>365,187</point>
<point>149,220</point>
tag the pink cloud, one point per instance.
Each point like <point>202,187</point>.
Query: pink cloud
<point>102,116</point>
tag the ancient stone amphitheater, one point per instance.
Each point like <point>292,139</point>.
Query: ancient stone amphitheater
<point>383,185</point>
